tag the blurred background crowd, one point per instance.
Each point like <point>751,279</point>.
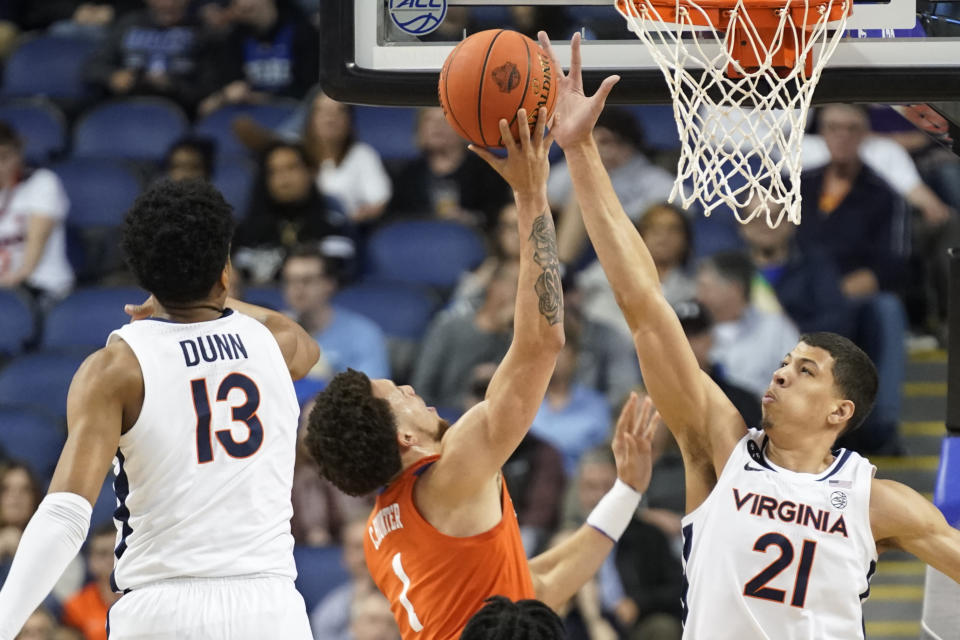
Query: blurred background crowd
<point>397,249</point>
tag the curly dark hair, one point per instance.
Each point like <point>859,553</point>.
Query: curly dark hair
<point>353,435</point>
<point>176,239</point>
<point>502,619</point>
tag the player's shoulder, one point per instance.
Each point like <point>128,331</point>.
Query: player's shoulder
<point>114,366</point>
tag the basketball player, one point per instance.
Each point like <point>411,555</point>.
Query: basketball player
<point>196,405</point>
<point>782,532</point>
<point>443,535</point>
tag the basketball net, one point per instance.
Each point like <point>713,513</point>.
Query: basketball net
<point>741,74</point>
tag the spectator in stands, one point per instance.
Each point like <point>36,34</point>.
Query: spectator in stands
<point>349,170</point>
<point>850,212</point>
<point>19,496</point>
<point>371,618</point>
<point>155,51</point>
<point>447,181</point>
<point>638,182</point>
<point>33,207</point>
<point>330,618</point>
<point>348,339</point>
<point>320,510</point>
<point>76,18</point>
<point>747,343</point>
<point>639,585</point>
<point>533,473</point>
<point>573,417</point>
<point>270,50</point>
<point>669,236</point>
<point>698,327</point>
<point>504,247</point>
<point>286,210</point>
<point>858,220</point>
<point>87,609</point>
<point>41,625</point>
<point>459,340</point>
<point>190,158</point>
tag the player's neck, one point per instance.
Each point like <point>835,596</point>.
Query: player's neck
<point>801,454</point>
<point>186,313</point>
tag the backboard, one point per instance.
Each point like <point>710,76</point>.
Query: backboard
<point>897,51</point>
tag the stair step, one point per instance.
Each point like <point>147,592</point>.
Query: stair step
<point>892,629</point>
<point>897,592</point>
<point>925,389</point>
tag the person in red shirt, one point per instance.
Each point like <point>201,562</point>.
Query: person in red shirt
<point>86,610</point>
<point>443,535</point>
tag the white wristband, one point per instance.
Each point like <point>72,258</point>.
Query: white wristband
<point>615,510</point>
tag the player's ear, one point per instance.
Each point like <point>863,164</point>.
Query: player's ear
<point>406,439</point>
<point>842,412</point>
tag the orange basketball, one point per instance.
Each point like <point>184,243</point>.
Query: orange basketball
<point>491,75</point>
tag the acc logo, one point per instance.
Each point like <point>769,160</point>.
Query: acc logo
<point>418,17</point>
<point>838,499</point>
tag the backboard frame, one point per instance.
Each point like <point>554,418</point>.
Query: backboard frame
<point>350,58</point>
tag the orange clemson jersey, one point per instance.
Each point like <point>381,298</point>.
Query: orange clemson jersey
<point>436,582</point>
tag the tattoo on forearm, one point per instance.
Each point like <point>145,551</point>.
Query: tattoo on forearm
<point>547,286</point>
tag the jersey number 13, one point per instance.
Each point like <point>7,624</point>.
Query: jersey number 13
<point>245,413</point>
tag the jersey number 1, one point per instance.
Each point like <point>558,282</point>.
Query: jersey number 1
<point>757,588</point>
<point>245,413</point>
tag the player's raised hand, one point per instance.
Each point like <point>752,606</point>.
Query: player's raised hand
<point>527,164</point>
<point>632,441</point>
<point>575,113</point>
<point>141,311</point>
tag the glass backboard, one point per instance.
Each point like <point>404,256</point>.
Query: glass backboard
<point>895,51</point>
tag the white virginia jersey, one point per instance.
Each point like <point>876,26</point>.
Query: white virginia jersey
<point>203,478</point>
<point>772,554</point>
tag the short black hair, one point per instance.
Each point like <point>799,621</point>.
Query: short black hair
<point>734,266</point>
<point>205,147</point>
<point>502,619</point>
<point>854,373</point>
<point>623,124</point>
<point>352,435</point>
<point>9,135</point>
<point>176,239</point>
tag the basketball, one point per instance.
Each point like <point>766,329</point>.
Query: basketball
<point>489,76</point>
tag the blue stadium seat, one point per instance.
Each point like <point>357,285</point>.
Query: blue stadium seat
<point>389,130</point>
<point>434,253</point>
<point>16,323</point>
<point>86,317</point>
<point>41,126</point>
<point>319,570</point>
<point>658,125</point>
<point>131,129</point>
<point>217,125</point>
<point>32,436</point>
<point>269,297</point>
<point>401,310</point>
<point>234,176</point>
<point>100,191</point>
<point>40,379</point>
<point>49,66</point>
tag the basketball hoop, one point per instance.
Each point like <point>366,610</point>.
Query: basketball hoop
<point>741,74</point>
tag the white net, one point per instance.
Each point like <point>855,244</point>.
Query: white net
<point>741,125</point>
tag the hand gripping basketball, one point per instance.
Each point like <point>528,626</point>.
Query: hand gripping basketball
<point>527,164</point>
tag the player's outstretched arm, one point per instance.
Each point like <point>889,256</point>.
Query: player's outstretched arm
<point>558,573</point>
<point>486,436</point>
<point>106,387</point>
<point>299,349</point>
<point>903,519</point>
<point>697,412</point>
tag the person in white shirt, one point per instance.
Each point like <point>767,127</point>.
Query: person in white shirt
<point>350,171</point>
<point>33,207</point>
